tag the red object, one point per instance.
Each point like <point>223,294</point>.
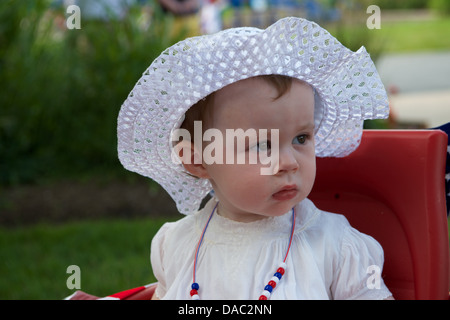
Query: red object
<point>262,297</point>
<point>193,292</point>
<point>280,271</point>
<point>392,188</point>
<point>272,283</point>
<point>124,295</point>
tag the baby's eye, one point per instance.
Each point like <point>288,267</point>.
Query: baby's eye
<point>264,146</point>
<point>261,146</point>
<point>300,139</point>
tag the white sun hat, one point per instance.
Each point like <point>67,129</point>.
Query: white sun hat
<point>347,85</point>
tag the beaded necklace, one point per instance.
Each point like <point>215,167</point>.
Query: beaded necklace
<point>268,289</point>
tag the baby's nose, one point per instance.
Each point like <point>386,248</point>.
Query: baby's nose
<point>287,162</point>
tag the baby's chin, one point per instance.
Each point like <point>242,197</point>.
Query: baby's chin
<point>283,207</point>
<point>254,216</point>
<point>262,210</point>
<point>278,212</point>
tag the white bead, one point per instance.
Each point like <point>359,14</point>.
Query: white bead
<point>266,293</point>
<point>195,297</point>
<point>282,265</point>
<point>275,279</point>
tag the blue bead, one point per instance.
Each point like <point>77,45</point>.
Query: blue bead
<point>195,286</point>
<point>268,288</point>
<point>278,275</point>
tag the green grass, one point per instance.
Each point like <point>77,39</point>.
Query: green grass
<point>393,37</point>
<point>413,36</point>
<point>112,256</point>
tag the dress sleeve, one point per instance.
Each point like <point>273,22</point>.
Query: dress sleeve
<point>358,274</point>
<point>157,260</point>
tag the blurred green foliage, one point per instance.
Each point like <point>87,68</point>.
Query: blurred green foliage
<point>440,7</point>
<point>61,89</point>
<point>401,4</point>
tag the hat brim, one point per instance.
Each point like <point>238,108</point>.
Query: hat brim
<point>348,90</point>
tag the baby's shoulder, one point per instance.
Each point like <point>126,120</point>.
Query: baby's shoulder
<point>335,230</point>
<point>174,231</point>
<point>318,220</point>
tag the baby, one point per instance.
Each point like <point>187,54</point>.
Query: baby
<point>244,113</point>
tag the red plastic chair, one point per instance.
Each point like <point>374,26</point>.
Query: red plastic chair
<point>392,188</point>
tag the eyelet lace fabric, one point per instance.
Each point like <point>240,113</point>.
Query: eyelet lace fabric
<point>347,85</point>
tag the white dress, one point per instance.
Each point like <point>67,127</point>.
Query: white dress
<point>328,258</point>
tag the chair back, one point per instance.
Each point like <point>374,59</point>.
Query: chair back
<point>392,188</point>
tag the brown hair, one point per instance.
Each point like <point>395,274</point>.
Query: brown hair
<point>201,111</point>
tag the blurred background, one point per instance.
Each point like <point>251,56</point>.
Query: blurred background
<point>64,197</point>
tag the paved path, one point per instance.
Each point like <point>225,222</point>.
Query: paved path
<point>423,84</point>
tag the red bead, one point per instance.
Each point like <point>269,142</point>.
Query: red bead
<point>280,270</point>
<point>272,283</point>
<point>262,297</point>
<point>193,292</point>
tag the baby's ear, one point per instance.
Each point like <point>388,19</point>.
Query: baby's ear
<point>191,159</point>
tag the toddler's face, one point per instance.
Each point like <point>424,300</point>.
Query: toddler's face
<point>244,193</point>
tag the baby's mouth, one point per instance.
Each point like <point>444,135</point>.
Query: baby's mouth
<point>286,193</point>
